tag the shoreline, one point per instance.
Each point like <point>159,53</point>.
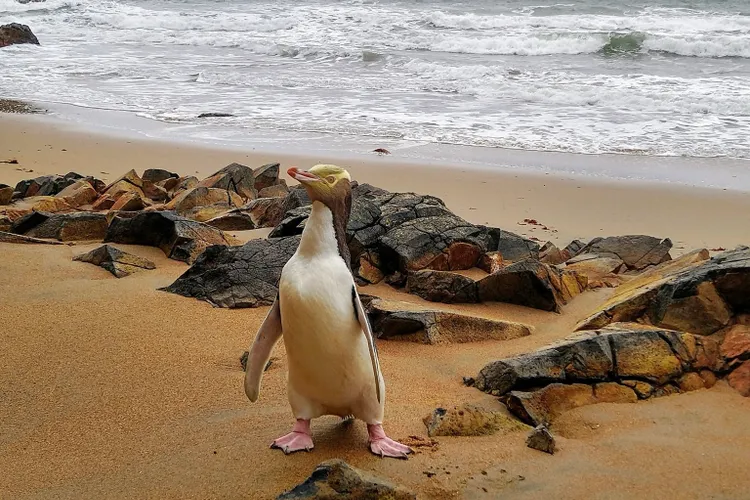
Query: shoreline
<point>720,173</point>
<point>571,207</point>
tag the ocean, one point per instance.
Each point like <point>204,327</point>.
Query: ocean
<point>649,78</point>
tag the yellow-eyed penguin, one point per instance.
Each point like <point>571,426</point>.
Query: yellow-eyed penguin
<point>333,362</point>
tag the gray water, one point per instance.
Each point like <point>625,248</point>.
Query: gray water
<point>668,77</point>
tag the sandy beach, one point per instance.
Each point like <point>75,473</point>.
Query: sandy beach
<point>112,389</point>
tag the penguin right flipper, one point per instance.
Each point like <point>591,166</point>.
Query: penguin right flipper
<point>268,334</point>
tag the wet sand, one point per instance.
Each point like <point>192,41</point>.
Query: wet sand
<point>112,389</point>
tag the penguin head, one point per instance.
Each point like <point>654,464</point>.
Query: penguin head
<point>329,184</point>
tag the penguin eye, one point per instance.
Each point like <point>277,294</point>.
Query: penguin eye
<point>331,179</point>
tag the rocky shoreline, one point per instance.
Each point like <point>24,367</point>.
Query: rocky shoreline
<point>671,325</point>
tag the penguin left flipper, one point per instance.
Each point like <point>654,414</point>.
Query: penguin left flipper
<point>268,334</point>
<point>359,312</point>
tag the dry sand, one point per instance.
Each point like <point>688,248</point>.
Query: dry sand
<point>112,389</point>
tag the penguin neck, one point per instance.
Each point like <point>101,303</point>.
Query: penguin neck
<point>325,234</point>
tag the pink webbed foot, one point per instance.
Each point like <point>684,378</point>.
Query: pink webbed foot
<point>382,445</point>
<point>297,440</point>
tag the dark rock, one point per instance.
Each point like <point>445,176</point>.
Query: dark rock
<point>337,480</point>
<point>70,227</point>
<point>266,176</point>
<point>540,438</point>
<point>573,248</point>
<point>531,283</point>
<point>234,177</point>
<point>15,33</point>
<point>442,286</point>
<point>513,247</point>
<point>46,185</point>
<point>234,220</point>
<point>636,251</point>
<point>179,238</point>
<point>619,351</point>
<point>443,243</point>
<point>116,261</point>
<point>279,190</point>
<point>292,224</point>
<point>215,115</point>
<point>689,294</point>
<point>296,198</point>
<point>397,320</point>
<point>27,222</point>
<point>155,175</point>
<point>244,276</point>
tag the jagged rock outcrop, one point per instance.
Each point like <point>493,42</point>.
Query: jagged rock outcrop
<point>179,238</point>
<point>203,203</point>
<point>637,252</point>
<point>116,261</point>
<point>15,33</point>
<point>79,193</point>
<point>155,175</point>
<point>241,276</point>
<point>266,176</point>
<point>130,182</point>
<point>442,286</point>
<point>619,363</point>
<point>399,320</point>
<point>337,480</point>
<point>50,185</point>
<point>689,294</point>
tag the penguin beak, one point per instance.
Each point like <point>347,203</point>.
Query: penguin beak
<point>302,176</point>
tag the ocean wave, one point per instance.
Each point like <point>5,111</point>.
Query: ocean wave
<point>14,6</point>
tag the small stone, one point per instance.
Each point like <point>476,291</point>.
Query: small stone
<point>116,261</point>
<point>541,439</point>
<point>690,382</point>
<point>709,378</point>
<point>469,420</point>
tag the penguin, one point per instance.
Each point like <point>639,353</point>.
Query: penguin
<point>333,362</point>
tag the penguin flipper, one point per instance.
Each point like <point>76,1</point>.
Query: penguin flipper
<point>359,312</point>
<point>268,334</point>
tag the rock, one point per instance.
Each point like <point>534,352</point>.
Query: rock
<point>215,115</point>
<point>636,251</point>
<point>179,238</point>
<point>179,185</point>
<point>337,480</point>
<point>267,176</point>
<point>202,203</point>
<point>707,354</point>
<point>369,268</point>
<point>46,185</point>
<point>15,33</point>
<point>27,222</point>
<point>740,379</point>
<point>595,267</point>
<point>616,352</point>
<point>442,286</point>
<point>155,175</point>
<point>236,178</point>
<point>296,198</point>
<point>77,226</point>
<point>530,283</point>
<point>154,192</point>
<point>234,277</point>
<point>6,194</point>
<point>104,202</point>
<point>513,247</point>
<point>469,420</point>
<point>128,183</point>
<point>643,390</point>
<point>545,405</point>
<point>550,254</point>
<point>265,212</point>
<point>736,343</point>
<point>444,243</point>
<point>573,248</point>
<point>17,238</point>
<point>78,194</point>
<point>234,220</point>
<point>690,293</point>
<point>5,223</point>
<point>276,191</point>
<point>709,379</point>
<point>690,382</point>
<point>46,204</point>
<point>540,438</point>
<point>490,262</point>
<point>129,202</point>
<point>399,320</point>
<point>116,261</point>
